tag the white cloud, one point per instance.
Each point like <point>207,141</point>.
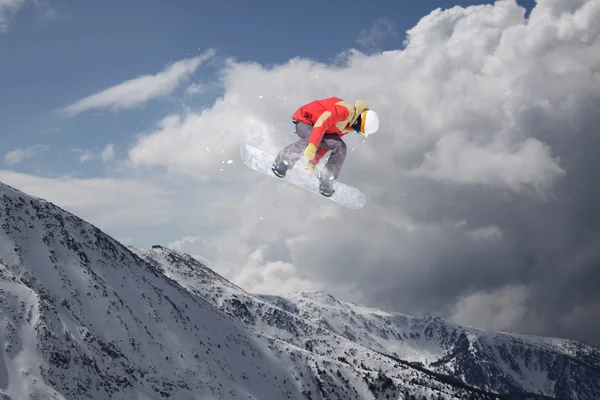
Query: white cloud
<point>7,9</point>
<point>112,204</point>
<point>453,109</point>
<point>137,91</point>
<point>451,106</point>
<point>481,106</point>
<point>381,30</point>
<point>196,247</point>
<point>19,155</point>
<point>502,309</point>
<point>199,145</point>
<point>512,165</point>
<point>278,277</point>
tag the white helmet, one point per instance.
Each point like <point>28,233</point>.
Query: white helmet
<point>369,123</point>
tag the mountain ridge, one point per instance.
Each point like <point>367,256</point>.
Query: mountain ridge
<point>556,346</point>
<point>85,317</point>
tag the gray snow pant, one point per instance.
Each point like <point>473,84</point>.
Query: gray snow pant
<point>291,153</point>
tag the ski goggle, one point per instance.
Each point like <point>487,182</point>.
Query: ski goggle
<point>359,124</point>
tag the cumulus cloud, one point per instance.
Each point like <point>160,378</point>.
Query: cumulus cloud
<point>142,89</point>
<point>196,247</point>
<point>198,145</point>
<point>475,183</point>
<point>278,277</point>
<point>528,164</point>
<point>21,154</point>
<point>482,202</point>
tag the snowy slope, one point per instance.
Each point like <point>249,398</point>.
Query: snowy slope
<point>328,356</point>
<point>493,361</point>
<point>83,317</point>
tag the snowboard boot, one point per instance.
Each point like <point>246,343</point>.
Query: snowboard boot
<point>326,186</point>
<point>279,169</point>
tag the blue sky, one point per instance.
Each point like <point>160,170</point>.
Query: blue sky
<point>127,114</point>
<point>57,52</point>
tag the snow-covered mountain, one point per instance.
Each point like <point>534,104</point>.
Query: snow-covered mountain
<point>502,363</point>
<point>84,317</point>
<point>496,361</point>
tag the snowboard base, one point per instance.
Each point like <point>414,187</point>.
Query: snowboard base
<point>344,195</point>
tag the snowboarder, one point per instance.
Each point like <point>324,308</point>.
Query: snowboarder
<point>320,125</point>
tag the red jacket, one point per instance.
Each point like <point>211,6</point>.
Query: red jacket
<point>332,115</point>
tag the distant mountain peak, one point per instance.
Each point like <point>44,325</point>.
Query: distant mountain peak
<point>317,294</point>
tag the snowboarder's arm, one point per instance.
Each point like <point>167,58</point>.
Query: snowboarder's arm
<point>321,151</point>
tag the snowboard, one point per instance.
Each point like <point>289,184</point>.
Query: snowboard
<point>344,195</point>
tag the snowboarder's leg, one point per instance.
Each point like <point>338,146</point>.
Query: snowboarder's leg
<point>332,168</point>
<point>338,154</point>
<point>291,153</point>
